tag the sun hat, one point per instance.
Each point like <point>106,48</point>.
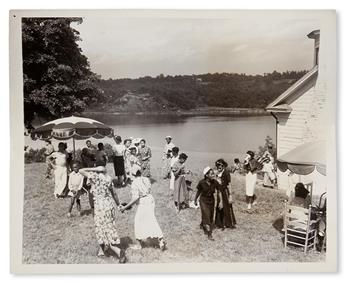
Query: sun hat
<point>206,170</point>
<point>168,137</point>
<point>132,147</point>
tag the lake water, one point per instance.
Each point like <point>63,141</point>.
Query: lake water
<point>204,138</point>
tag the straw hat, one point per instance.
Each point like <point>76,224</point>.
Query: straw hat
<point>206,170</point>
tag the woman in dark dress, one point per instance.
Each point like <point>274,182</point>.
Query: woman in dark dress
<point>206,189</point>
<point>225,217</point>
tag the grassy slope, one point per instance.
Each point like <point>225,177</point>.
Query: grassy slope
<point>51,237</point>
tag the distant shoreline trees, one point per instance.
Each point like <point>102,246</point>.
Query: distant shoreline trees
<point>188,92</point>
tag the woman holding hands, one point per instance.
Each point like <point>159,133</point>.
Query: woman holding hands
<point>105,201</point>
<point>145,222</point>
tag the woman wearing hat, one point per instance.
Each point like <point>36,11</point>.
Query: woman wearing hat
<point>145,222</point>
<point>250,167</point>
<point>206,189</point>
<point>225,217</point>
<point>105,201</point>
<point>167,156</point>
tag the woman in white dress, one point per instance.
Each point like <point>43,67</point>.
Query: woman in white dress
<point>145,223</point>
<point>174,159</point>
<point>59,163</point>
<point>250,167</point>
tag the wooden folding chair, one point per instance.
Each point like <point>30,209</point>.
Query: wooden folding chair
<point>300,230</point>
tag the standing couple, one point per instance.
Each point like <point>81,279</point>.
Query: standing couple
<point>215,199</point>
<point>107,204</point>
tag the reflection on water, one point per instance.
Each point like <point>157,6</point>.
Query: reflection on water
<point>137,119</point>
<point>205,135</point>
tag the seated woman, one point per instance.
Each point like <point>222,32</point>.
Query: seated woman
<point>301,198</point>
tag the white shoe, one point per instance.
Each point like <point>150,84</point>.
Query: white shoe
<point>249,206</point>
<point>255,203</point>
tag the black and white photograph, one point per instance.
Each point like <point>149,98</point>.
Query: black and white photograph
<point>165,137</point>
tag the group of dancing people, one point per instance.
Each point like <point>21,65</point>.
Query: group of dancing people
<point>90,176</point>
<point>132,166</point>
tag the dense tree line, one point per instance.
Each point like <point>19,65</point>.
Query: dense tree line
<point>216,90</point>
<point>57,76</point>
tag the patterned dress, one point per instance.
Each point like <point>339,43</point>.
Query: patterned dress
<point>145,153</point>
<point>105,209</point>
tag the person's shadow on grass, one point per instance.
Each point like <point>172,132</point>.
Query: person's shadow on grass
<point>125,242</point>
<point>278,224</point>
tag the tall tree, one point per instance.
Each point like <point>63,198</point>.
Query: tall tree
<point>57,76</point>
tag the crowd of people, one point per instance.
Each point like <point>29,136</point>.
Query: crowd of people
<point>131,161</point>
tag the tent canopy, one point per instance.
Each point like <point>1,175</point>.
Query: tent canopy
<point>305,158</point>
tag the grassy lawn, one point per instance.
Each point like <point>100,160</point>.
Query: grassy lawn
<point>50,237</point>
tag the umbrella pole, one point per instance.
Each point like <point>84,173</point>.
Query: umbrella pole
<point>73,148</point>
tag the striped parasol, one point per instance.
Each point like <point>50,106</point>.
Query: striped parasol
<point>305,158</point>
<point>72,128</point>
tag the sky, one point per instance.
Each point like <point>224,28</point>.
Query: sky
<point>137,47</point>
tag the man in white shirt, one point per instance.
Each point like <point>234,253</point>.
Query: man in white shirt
<point>167,156</point>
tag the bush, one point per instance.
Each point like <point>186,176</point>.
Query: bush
<point>35,156</point>
<point>263,149</point>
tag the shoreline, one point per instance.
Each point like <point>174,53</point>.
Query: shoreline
<point>195,112</point>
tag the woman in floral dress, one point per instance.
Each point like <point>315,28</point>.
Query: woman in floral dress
<point>144,158</point>
<point>106,200</point>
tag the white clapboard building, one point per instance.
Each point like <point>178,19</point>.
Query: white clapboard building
<point>300,113</point>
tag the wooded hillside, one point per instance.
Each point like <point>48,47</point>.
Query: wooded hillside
<point>169,93</point>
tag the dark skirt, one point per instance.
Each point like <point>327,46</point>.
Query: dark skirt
<point>119,165</point>
<point>225,217</point>
<point>207,210</point>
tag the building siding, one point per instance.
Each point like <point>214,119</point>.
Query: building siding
<point>303,124</point>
